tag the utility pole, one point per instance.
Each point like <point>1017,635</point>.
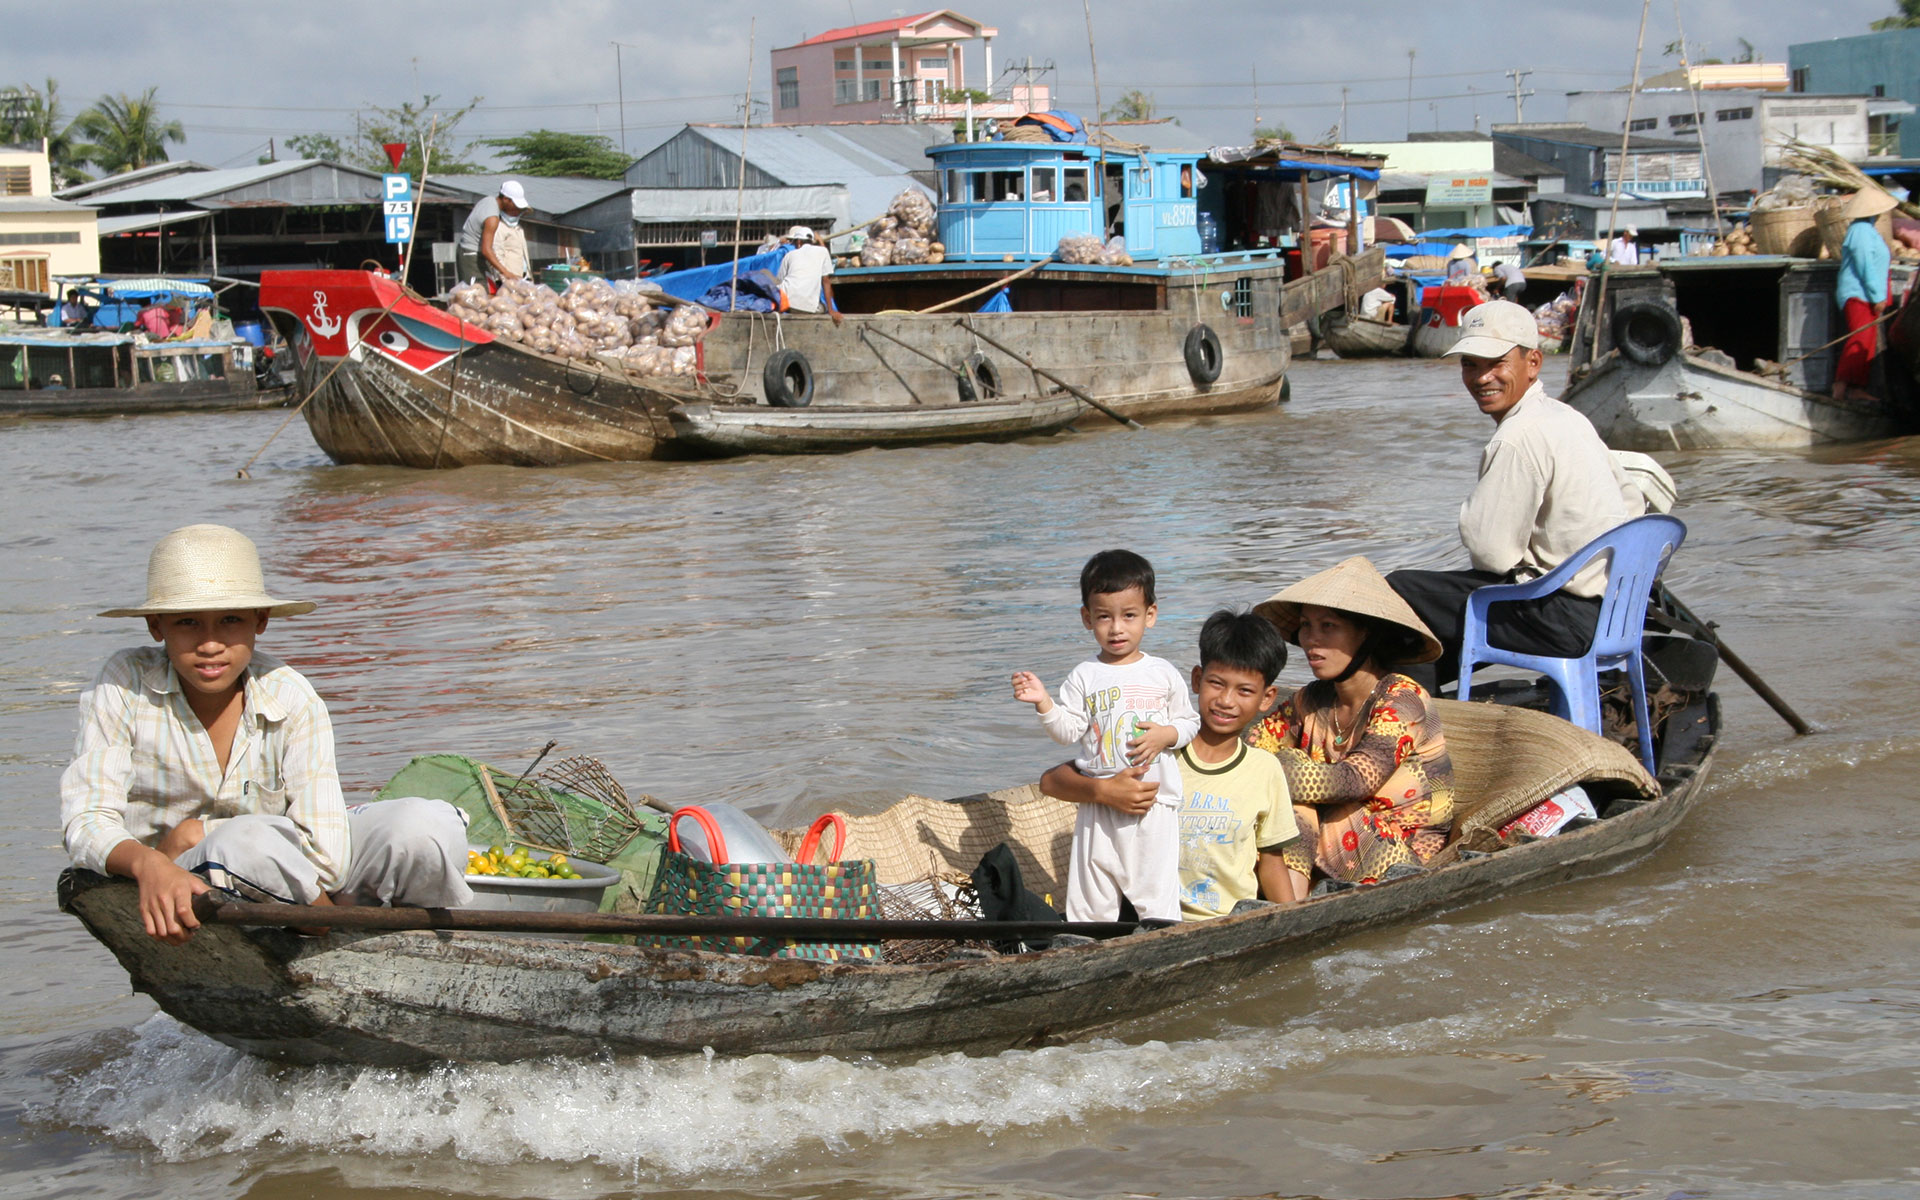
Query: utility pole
<point>1343,112</point>
<point>1519,77</point>
<point>622,88</point>
<point>1254,72</point>
<point>1410,54</point>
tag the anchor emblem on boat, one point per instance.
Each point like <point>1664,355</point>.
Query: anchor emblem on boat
<point>320,322</point>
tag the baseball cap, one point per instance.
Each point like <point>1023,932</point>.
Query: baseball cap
<point>1490,330</point>
<point>512,190</point>
<point>800,233</point>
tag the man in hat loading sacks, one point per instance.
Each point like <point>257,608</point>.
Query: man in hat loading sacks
<point>1547,487</point>
<point>492,240</point>
<point>203,762</point>
<point>806,275</point>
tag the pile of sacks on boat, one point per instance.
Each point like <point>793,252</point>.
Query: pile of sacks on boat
<point>1086,248</point>
<point>904,236</point>
<point>617,323</point>
<point>1555,318</point>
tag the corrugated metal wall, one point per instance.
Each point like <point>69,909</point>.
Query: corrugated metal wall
<point>689,160</point>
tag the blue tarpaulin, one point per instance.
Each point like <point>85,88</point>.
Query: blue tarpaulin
<point>1002,302</point>
<point>1483,231</point>
<point>694,282</point>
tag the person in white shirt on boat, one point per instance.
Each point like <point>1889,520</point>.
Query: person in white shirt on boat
<point>806,275</point>
<point>202,763</point>
<point>1625,249</point>
<point>491,241</point>
<point>1547,487</point>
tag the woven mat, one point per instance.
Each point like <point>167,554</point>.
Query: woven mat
<point>1505,761</point>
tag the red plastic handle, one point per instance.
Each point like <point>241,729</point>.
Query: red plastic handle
<point>715,843</point>
<point>810,844</point>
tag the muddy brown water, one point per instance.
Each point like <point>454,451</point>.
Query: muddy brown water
<point>1738,1015</point>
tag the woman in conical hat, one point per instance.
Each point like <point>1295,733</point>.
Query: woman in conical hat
<point>1862,290</point>
<point>1362,748</point>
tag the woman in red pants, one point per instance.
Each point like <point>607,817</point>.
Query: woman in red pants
<point>1862,290</point>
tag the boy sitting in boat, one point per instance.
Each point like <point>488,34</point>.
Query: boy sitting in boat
<point>1237,817</point>
<point>202,761</point>
<point>1127,709</point>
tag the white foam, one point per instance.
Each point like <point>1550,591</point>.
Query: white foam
<point>188,1097</point>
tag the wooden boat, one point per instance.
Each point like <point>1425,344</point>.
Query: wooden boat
<point>398,381</point>
<point>402,998</point>
<point>67,373</point>
<point>1702,353</point>
<point>1358,337</point>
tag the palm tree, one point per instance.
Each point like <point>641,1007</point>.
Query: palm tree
<point>126,132</point>
<point>1906,17</point>
<point>29,115</point>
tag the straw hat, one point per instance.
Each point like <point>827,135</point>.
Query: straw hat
<point>1353,586</point>
<point>1867,203</point>
<point>1459,252</point>
<point>206,568</point>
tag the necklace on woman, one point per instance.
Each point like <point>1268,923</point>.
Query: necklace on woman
<point>1353,725</point>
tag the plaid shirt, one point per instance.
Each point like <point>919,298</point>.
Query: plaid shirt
<point>143,762</point>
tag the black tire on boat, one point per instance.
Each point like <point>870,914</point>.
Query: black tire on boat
<point>1647,332</point>
<point>1204,357</point>
<point>985,377</point>
<point>788,379</point>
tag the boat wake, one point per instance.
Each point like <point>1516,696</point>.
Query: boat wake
<point>188,1097</point>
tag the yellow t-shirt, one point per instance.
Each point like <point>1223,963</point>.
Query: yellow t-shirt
<point>1229,813</point>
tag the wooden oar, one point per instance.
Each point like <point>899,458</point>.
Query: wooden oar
<point>213,911</point>
<point>1683,616</point>
<point>1129,422</point>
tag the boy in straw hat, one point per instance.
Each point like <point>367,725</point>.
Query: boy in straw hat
<point>1862,289</point>
<point>203,760</point>
<point>1547,487</point>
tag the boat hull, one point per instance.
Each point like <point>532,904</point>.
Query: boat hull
<point>1366,339</point>
<point>210,395</point>
<point>407,998</point>
<point>1690,403</point>
<point>396,381</point>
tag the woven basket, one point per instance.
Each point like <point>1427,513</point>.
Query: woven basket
<point>1786,231</point>
<point>1833,225</point>
<point>691,888</point>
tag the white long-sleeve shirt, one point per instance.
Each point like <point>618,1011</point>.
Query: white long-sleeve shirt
<point>1547,487</point>
<point>143,763</point>
<point>1101,704</point>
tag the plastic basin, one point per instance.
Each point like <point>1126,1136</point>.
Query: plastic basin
<point>581,895</point>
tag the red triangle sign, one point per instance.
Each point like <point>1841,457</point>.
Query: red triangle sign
<point>394,151</point>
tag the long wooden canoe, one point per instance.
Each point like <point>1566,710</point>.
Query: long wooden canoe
<point>401,998</point>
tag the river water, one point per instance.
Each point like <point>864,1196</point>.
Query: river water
<point>1738,1015</point>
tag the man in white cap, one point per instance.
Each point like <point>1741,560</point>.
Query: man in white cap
<point>492,241</point>
<point>203,763</point>
<point>805,276</point>
<point>1625,249</point>
<point>1547,487</point>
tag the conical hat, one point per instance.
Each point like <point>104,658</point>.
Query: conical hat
<point>1353,586</point>
<point>1869,201</point>
<point>206,568</point>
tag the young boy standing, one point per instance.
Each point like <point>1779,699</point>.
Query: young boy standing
<point>1126,709</point>
<point>1238,813</point>
<point>203,760</point>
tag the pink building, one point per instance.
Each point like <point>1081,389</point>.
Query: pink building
<point>899,69</point>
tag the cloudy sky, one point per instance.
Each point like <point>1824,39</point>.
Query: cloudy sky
<point>237,74</point>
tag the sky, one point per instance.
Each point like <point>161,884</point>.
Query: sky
<point>236,75</point>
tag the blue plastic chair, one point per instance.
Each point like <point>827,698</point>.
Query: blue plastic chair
<point>1640,549</point>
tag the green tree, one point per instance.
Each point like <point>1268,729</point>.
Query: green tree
<point>413,124</point>
<point>29,115</point>
<point>1906,16</point>
<point>962,95</point>
<point>1133,105</point>
<point>546,152</point>
<point>1273,133</point>
<point>317,145</point>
